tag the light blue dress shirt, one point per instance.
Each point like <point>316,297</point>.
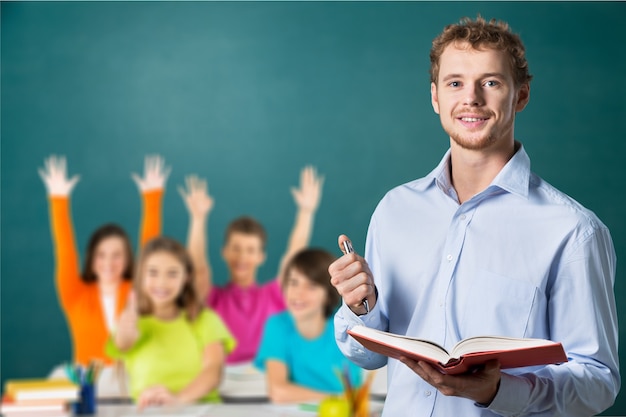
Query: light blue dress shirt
<point>519,259</point>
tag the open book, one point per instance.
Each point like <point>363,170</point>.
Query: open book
<point>466,355</point>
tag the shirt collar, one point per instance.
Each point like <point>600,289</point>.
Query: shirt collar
<point>513,178</point>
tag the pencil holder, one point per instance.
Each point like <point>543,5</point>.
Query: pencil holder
<point>86,403</point>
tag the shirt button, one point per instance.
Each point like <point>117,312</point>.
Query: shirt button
<point>427,393</point>
<point>449,257</point>
<point>462,217</point>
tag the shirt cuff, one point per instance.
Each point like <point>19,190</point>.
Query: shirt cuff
<point>345,320</point>
<point>372,319</point>
<point>512,396</point>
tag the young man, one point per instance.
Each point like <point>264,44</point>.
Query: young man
<point>243,303</point>
<point>482,246</point>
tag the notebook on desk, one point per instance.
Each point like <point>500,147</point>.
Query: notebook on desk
<point>243,383</point>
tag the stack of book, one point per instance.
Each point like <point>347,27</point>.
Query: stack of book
<point>38,397</point>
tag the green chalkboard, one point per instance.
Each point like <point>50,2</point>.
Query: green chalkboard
<point>246,94</point>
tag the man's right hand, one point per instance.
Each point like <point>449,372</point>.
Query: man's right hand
<point>352,278</point>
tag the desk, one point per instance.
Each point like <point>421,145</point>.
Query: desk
<point>216,410</point>
<point>245,383</point>
<point>243,391</point>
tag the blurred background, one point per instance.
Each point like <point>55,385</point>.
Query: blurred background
<point>245,94</point>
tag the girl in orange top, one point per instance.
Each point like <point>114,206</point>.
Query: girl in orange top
<point>93,300</point>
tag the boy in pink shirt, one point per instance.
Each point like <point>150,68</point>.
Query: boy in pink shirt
<point>243,303</point>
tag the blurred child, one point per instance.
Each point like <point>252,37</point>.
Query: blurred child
<point>298,351</point>
<point>173,348</point>
<point>92,300</point>
<point>243,304</point>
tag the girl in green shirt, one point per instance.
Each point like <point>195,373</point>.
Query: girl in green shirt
<point>173,347</point>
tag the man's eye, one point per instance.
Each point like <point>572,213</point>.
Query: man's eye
<point>491,83</point>
<point>454,84</point>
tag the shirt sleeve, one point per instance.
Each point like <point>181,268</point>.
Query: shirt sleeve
<point>67,275</point>
<point>151,216</point>
<point>273,342</point>
<point>210,328</point>
<point>275,294</point>
<point>589,382</point>
<point>216,294</point>
<point>345,319</point>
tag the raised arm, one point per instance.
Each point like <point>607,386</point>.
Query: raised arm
<point>127,331</point>
<point>151,186</point>
<point>307,198</point>
<point>199,205</point>
<point>59,188</point>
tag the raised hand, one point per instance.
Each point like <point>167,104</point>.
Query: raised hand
<point>54,176</point>
<point>199,204</point>
<point>155,174</point>
<point>196,196</point>
<point>127,331</point>
<point>308,196</point>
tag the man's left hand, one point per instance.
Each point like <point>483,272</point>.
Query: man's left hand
<point>480,386</point>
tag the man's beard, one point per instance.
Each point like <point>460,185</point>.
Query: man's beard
<point>477,144</point>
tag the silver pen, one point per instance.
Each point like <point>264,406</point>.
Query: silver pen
<point>347,248</point>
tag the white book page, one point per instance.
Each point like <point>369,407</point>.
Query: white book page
<point>488,343</point>
<point>422,347</point>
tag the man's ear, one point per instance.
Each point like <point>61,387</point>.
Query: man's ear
<point>433,97</point>
<point>523,95</point>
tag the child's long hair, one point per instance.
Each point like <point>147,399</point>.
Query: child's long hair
<point>313,263</point>
<point>187,300</point>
